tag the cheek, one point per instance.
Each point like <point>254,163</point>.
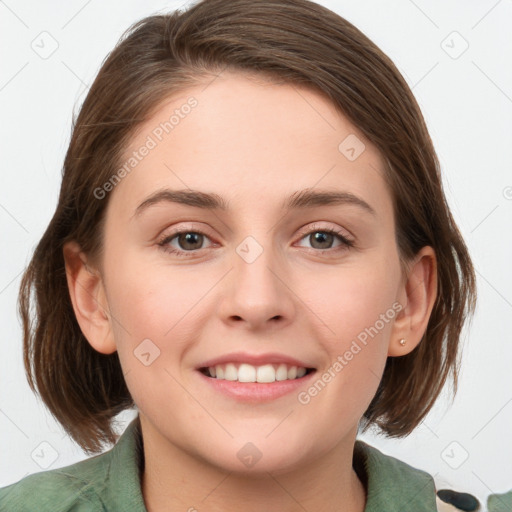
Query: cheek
<point>151,297</point>
<point>152,301</point>
<point>359,308</point>
<point>152,312</point>
<point>354,299</point>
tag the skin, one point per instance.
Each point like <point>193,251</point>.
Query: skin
<point>254,144</point>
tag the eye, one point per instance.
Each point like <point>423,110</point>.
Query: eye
<point>187,240</point>
<point>322,238</point>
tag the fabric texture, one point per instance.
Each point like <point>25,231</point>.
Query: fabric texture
<point>111,482</point>
<point>500,502</point>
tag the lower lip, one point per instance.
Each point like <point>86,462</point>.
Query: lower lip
<point>255,392</point>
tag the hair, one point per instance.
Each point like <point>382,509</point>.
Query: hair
<point>295,42</point>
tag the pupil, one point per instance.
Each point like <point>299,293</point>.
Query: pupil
<point>189,238</point>
<point>320,237</point>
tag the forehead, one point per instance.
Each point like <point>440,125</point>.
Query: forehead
<point>249,141</point>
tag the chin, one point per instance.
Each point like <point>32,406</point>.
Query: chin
<point>258,458</point>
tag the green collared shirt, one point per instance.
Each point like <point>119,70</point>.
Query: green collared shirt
<point>111,482</point>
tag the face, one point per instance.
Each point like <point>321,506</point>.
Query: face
<point>261,281</point>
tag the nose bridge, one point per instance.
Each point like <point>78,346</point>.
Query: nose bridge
<point>256,291</point>
<point>253,266</point>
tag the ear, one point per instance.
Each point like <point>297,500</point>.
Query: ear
<point>417,295</point>
<point>88,297</point>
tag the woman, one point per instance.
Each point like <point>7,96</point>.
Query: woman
<point>327,290</point>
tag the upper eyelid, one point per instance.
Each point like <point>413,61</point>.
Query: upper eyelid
<point>306,229</point>
<point>317,227</point>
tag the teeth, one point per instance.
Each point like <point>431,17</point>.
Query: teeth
<point>246,373</point>
<point>230,372</point>
<point>249,373</point>
<point>265,373</point>
<point>282,372</point>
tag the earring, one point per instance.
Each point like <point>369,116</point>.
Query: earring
<point>402,342</point>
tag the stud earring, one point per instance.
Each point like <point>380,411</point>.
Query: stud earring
<point>402,342</point>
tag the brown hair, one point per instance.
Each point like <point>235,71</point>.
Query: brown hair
<point>292,41</point>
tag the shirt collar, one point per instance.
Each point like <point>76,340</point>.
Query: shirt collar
<point>124,477</point>
<point>391,483</point>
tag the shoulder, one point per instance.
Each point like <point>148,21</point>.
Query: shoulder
<point>109,481</point>
<point>391,483</point>
<point>73,487</point>
<point>395,485</point>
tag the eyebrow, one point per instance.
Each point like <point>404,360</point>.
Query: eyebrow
<point>307,198</point>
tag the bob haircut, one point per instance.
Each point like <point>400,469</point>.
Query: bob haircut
<point>293,42</point>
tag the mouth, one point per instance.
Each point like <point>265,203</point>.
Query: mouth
<point>265,374</point>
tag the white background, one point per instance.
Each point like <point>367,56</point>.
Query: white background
<point>467,104</point>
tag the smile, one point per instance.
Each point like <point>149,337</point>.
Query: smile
<point>267,373</point>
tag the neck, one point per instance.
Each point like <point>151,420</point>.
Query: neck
<point>175,480</point>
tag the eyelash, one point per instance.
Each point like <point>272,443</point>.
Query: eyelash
<point>164,242</point>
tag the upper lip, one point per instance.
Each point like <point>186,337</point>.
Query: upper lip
<point>254,359</point>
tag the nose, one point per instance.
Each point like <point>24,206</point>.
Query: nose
<point>255,292</point>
